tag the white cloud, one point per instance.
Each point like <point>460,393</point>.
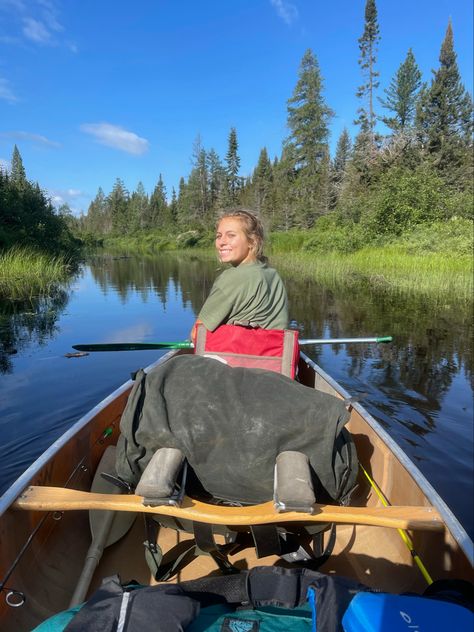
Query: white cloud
<point>76,199</point>
<point>137,332</point>
<point>6,93</point>
<point>28,136</point>
<point>116,137</point>
<point>37,20</point>
<point>285,10</point>
<point>5,165</point>
<point>36,31</point>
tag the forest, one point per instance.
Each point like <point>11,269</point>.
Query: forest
<point>373,190</point>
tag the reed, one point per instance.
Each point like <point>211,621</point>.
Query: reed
<point>25,272</point>
<point>384,268</point>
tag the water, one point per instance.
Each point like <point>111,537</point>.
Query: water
<point>419,387</point>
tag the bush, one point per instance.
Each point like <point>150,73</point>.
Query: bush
<point>403,199</point>
<point>454,237</point>
<point>331,235</point>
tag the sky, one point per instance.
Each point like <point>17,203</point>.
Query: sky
<point>92,90</point>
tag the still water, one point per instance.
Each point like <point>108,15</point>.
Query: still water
<point>419,387</point>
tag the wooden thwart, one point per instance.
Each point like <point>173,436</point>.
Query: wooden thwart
<point>63,499</point>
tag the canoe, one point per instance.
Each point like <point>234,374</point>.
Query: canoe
<point>43,544</point>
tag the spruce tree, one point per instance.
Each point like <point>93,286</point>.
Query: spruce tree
<point>198,186</point>
<point>182,206</point>
<point>216,174</point>
<point>402,95</point>
<point>173,207</point>
<point>96,220</point>
<point>117,206</point>
<point>232,168</point>
<point>138,208</point>
<point>284,176</point>
<point>308,121</point>
<point>158,207</point>
<point>18,174</point>
<point>340,165</point>
<point>444,115</point>
<point>368,58</point>
<point>262,183</point>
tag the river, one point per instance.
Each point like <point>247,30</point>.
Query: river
<point>419,387</point>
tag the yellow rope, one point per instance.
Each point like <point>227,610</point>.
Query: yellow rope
<point>404,535</point>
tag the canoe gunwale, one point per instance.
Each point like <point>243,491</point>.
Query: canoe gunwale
<point>452,523</point>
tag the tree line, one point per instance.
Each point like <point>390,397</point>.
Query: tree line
<point>27,216</point>
<point>374,186</point>
<point>419,171</point>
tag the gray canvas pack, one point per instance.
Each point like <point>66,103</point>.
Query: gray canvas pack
<point>231,423</point>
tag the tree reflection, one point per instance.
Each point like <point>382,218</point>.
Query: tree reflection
<point>431,342</point>
<point>28,321</point>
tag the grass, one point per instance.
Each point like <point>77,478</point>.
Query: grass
<point>386,268</point>
<point>430,259</point>
<point>25,273</point>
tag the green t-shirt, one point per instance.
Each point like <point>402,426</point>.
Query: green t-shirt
<point>249,293</point>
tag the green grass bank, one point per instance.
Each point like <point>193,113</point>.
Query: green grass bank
<point>25,273</point>
<point>429,259</point>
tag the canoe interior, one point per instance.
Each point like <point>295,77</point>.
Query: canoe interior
<point>42,553</point>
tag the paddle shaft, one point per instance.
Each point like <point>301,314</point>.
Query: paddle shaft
<point>63,499</point>
<point>106,527</point>
<point>186,344</point>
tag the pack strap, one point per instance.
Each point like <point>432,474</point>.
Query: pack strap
<point>206,543</point>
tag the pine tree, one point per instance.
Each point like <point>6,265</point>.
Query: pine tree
<point>117,208</point>
<point>262,184</point>
<point>138,208</point>
<point>158,207</point>
<point>285,175</point>
<point>368,58</point>
<point>308,121</point>
<point>339,166</point>
<point>198,191</point>
<point>217,178</point>
<point>96,220</point>
<point>173,207</point>
<point>444,115</point>
<point>18,174</point>
<point>402,95</point>
<point>232,168</point>
<point>182,207</point>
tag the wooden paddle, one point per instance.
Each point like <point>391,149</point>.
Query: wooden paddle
<point>186,344</point>
<point>62,499</point>
<point>107,527</point>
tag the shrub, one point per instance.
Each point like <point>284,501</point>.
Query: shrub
<point>403,199</point>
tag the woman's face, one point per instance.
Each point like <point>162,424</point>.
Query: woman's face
<point>231,242</point>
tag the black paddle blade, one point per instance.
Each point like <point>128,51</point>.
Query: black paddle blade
<point>134,346</point>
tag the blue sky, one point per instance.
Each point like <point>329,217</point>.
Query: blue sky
<point>92,90</point>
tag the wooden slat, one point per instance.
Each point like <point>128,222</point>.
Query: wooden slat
<point>62,499</point>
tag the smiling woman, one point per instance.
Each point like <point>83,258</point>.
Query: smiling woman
<point>249,292</point>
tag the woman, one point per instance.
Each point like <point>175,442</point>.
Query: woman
<point>249,292</point>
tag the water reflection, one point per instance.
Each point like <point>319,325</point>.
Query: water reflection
<point>29,321</point>
<point>419,387</point>
<point>431,338</point>
<point>151,274</point>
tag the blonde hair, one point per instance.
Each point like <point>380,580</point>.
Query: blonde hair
<point>252,227</point>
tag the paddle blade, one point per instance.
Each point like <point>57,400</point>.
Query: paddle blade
<point>134,346</point>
